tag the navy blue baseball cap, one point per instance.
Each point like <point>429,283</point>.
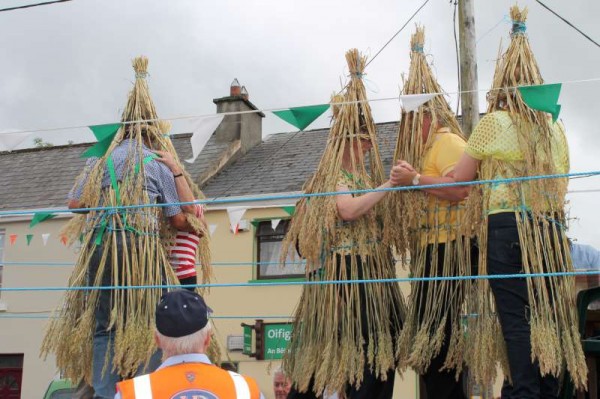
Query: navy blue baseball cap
<point>180,313</point>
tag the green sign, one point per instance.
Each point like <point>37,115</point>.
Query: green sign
<point>277,338</point>
<point>247,340</point>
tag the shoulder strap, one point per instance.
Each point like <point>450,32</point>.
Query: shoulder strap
<point>242,390</point>
<point>142,387</point>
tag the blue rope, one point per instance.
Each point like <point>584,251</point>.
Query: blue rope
<point>295,283</point>
<point>518,27</point>
<point>311,195</point>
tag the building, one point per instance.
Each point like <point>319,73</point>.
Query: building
<point>235,164</point>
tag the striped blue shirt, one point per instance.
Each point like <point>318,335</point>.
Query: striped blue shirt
<point>159,184</point>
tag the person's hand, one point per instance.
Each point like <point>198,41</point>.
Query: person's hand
<point>167,159</point>
<point>406,165</point>
<point>402,174</point>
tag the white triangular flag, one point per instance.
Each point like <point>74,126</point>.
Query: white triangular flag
<point>212,228</point>
<point>275,223</point>
<point>9,140</point>
<point>411,102</point>
<point>201,134</point>
<point>45,237</point>
<point>235,214</point>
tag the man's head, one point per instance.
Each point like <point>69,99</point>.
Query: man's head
<point>281,385</point>
<point>182,324</point>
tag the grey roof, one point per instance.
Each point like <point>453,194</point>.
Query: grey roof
<point>41,177</point>
<point>284,161</point>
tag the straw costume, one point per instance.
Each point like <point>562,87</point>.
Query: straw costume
<point>524,221</point>
<point>429,233</point>
<point>342,331</point>
<point>120,247</point>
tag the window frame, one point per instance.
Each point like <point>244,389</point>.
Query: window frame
<point>257,242</point>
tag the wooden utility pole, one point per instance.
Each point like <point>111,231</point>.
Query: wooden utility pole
<point>469,99</point>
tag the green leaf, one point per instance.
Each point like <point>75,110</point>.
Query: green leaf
<point>40,217</point>
<point>543,98</point>
<point>301,117</point>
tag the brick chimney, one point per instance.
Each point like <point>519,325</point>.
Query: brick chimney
<point>247,128</point>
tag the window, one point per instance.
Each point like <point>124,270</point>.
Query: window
<point>268,253</point>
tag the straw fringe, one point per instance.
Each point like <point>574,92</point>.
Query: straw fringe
<point>327,342</point>
<point>554,337</point>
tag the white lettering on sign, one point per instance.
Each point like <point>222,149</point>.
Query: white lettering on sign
<point>279,333</point>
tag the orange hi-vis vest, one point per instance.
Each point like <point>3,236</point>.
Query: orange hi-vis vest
<point>190,381</point>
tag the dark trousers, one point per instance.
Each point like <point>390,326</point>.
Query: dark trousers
<point>371,387</point>
<point>512,305</point>
<point>439,384</point>
<point>192,280</point>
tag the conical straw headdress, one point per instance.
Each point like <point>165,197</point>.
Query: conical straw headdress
<point>540,213</point>
<point>330,346</point>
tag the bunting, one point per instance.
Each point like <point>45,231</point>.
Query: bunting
<point>12,239</point>
<point>275,223</point>
<point>202,132</point>
<point>543,98</point>
<point>40,217</point>
<point>410,102</point>
<point>301,117</point>
<point>45,237</point>
<point>105,135</point>
<point>10,140</point>
<point>211,229</point>
<point>29,237</point>
<point>235,214</point>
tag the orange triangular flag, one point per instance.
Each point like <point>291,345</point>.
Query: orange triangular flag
<point>63,239</point>
<point>12,238</point>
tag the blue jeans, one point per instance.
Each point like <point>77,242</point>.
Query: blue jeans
<point>512,305</point>
<point>104,383</point>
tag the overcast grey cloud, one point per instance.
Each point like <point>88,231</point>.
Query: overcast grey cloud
<point>69,64</point>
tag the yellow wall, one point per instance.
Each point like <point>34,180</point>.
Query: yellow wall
<point>24,335</point>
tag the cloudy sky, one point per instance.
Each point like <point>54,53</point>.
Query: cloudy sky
<point>68,64</point>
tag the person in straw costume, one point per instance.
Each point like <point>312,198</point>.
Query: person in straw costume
<point>430,139</point>
<point>521,229</point>
<point>344,334</point>
<point>102,335</point>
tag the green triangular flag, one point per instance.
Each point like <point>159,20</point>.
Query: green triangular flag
<point>289,210</point>
<point>105,135</point>
<point>301,117</point>
<point>254,223</point>
<point>103,132</point>
<point>29,238</point>
<point>543,98</point>
<point>40,217</point>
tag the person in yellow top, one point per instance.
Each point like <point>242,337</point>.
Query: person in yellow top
<point>438,246</point>
<point>183,332</point>
<point>521,229</point>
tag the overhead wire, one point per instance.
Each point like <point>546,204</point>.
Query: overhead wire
<point>568,23</point>
<point>46,3</point>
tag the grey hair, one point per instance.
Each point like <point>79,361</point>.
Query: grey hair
<point>193,343</point>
